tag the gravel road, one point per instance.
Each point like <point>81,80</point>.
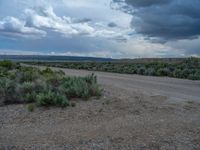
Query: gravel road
<point>134,113</point>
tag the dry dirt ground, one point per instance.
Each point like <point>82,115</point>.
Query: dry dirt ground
<point>134,113</point>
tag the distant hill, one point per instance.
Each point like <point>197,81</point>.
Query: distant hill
<point>51,58</point>
<point>151,60</point>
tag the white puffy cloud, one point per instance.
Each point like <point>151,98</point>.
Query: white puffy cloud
<point>13,27</point>
<point>45,18</point>
<point>40,20</point>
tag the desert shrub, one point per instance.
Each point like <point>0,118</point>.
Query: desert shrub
<point>81,87</point>
<point>76,87</point>
<point>141,70</point>
<point>3,72</point>
<point>133,70</point>
<point>163,72</point>
<point>30,97</point>
<point>26,87</point>
<point>61,100</point>
<point>91,79</point>
<point>50,98</point>
<point>177,73</point>
<point>27,74</point>
<point>11,74</point>
<point>31,107</point>
<point>2,90</point>
<point>95,90</point>
<point>26,92</point>
<point>6,64</point>
<point>8,91</point>
<point>195,76</point>
<point>93,87</point>
<point>45,87</point>
<point>150,72</point>
<point>60,72</point>
<point>47,71</point>
<point>40,85</point>
<point>185,73</point>
<point>54,80</point>
<point>180,68</point>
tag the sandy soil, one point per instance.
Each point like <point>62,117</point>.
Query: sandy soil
<point>135,112</point>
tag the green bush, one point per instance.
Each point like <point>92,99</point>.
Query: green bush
<point>195,76</point>
<point>150,72</point>
<point>40,85</point>
<point>26,87</point>
<point>26,92</point>
<point>45,87</point>
<point>81,87</point>
<point>54,80</point>
<point>2,90</point>
<point>30,97</point>
<point>76,87</point>
<point>51,99</point>
<point>6,64</point>
<point>177,73</point>
<point>163,72</point>
<point>47,71</point>
<point>185,73</point>
<point>31,107</point>
<point>27,74</point>
<point>8,91</point>
<point>141,70</point>
<point>91,79</point>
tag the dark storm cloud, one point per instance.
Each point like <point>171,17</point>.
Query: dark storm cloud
<point>82,20</point>
<point>112,25</point>
<point>145,3</point>
<point>164,19</point>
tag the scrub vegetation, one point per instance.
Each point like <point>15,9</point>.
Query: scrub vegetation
<point>188,68</point>
<point>21,84</point>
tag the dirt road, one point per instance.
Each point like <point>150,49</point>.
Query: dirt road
<point>135,113</point>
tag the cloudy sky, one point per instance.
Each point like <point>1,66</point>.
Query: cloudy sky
<point>102,28</point>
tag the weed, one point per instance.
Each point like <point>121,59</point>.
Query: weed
<point>31,107</point>
<point>73,104</point>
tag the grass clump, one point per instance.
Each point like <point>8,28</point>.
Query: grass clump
<point>6,64</point>
<point>31,107</point>
<point>73,104</point>
<point>19,84</point>
<point>51,99</point>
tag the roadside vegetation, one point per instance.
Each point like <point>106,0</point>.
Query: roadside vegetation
<point>20,84</point>
<point>188,68</point>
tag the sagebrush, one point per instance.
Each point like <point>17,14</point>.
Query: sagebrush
<point>20,84</point>
<point>186,68</point>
